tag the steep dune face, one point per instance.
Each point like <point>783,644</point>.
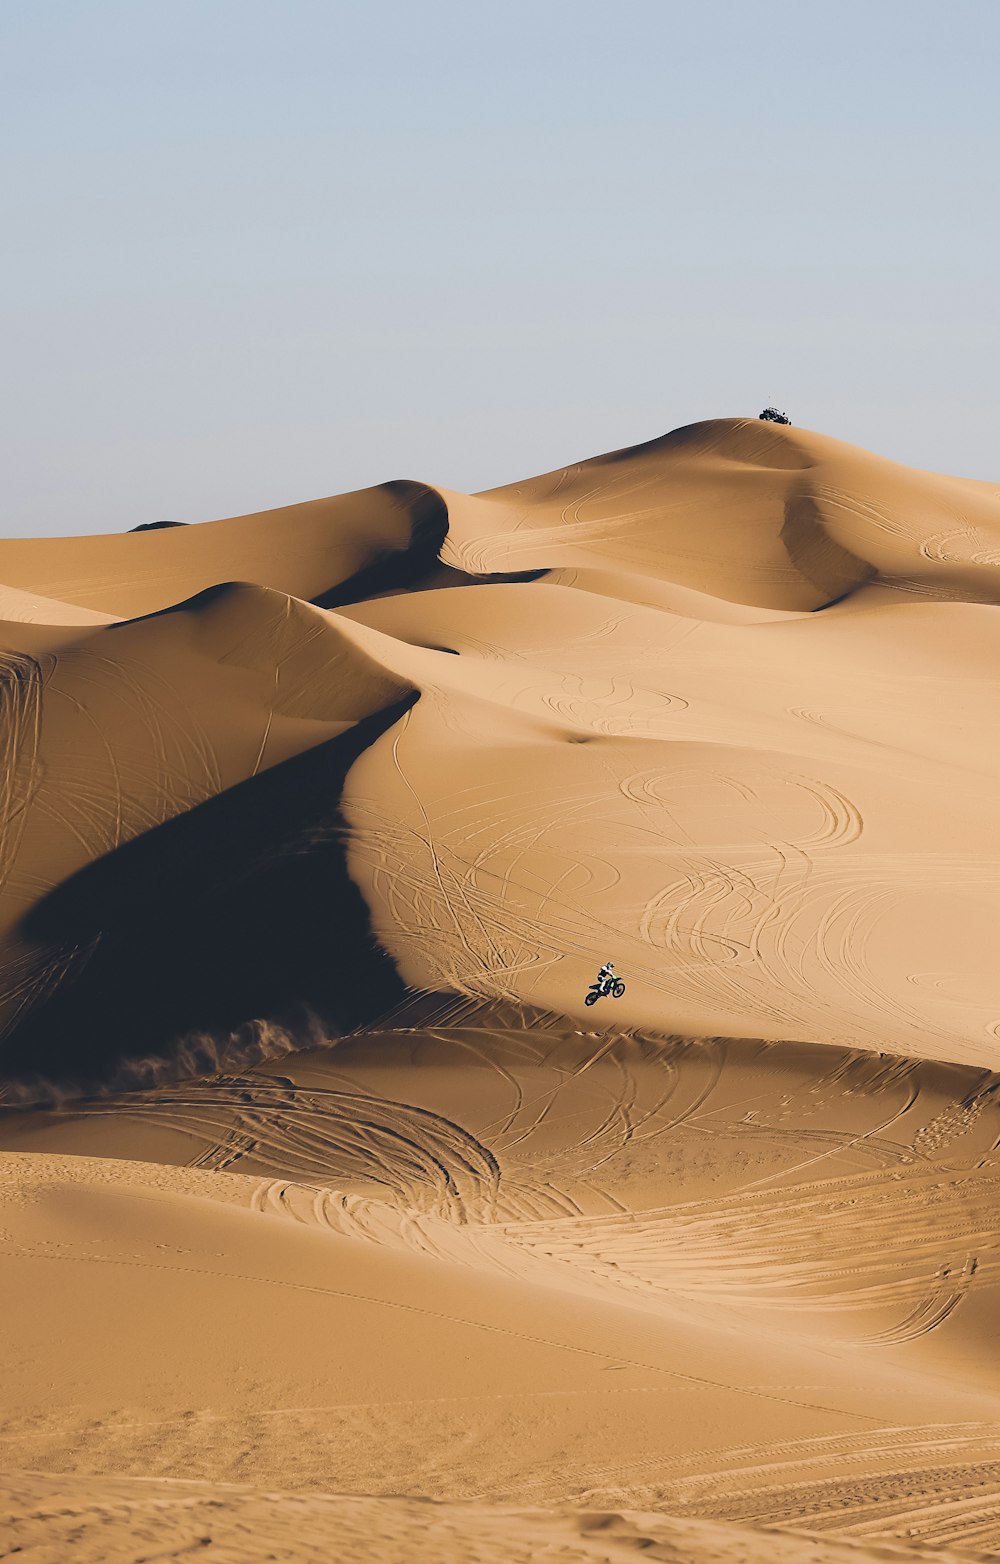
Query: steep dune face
<point>156,771</point>
<point>315,826</point>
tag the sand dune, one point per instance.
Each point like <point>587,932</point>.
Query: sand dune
<point>307,550</point>
<point>328,1206</point>
<point>749,512</point>
<point>238,1523</point>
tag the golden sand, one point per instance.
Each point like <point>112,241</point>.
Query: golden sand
<point>334,1223</point>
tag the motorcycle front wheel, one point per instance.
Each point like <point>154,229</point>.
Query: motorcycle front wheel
<point>618,989</point>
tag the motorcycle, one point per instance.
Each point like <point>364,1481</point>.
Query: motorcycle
<point>613,988</point>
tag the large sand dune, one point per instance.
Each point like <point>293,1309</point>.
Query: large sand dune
<point>323,1194</point>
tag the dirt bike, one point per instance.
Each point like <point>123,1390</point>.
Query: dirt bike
<point>615,988</point>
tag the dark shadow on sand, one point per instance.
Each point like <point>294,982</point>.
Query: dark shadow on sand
<point>418,567</point>
<point>240,909</point>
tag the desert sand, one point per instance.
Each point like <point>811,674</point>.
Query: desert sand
<point>334,1223</point>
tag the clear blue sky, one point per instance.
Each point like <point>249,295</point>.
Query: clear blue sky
<point>260,252</point>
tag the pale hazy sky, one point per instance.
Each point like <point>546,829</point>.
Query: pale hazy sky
<point>260,252</point>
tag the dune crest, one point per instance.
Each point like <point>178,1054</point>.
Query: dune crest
<point>750,513</point>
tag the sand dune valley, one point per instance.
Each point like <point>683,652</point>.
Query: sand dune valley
<point>334,1224</point>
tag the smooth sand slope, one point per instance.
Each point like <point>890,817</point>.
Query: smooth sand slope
<point>332,1220</point>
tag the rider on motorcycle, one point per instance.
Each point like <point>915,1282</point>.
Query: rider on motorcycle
<point>606,976</point>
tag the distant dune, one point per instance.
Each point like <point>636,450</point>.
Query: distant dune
<point>321,1184</point>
